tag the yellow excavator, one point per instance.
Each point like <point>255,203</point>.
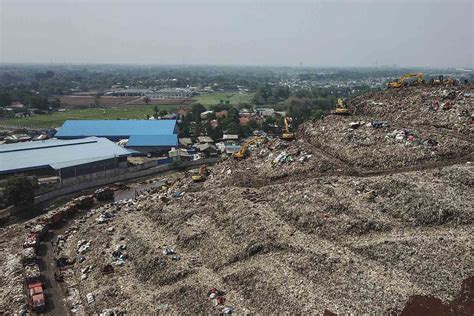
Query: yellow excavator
<point>242,153</point>
<point>341,107</point>
<point>286,135</point>
<point>201,175</point>
<point>401,82</point>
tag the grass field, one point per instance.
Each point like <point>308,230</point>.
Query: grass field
<point>119,112</point>
<point>214,98</point>
<point>56,119</point>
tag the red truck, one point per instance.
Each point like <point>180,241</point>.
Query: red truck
<point>36,296</point>
<point>84,201</point>
<point>103,194</point>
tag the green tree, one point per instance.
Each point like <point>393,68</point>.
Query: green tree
<point>196,110</point>
<point>39,102</point>
<point>56,103</point>
<point>184,125</point>
<point>97,99</point>
<point>5,99</point>
<point>20,190</point>
<point>163,112</point>
<point>147,100</point>
<point>155,111</point>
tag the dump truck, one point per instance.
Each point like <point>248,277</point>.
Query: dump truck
<point>36,297</point>
<point>32,240</point>
<point>103,194</point>
<point>84,201</point>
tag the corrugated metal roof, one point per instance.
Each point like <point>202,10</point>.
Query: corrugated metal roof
<point>57,153</point>
<point>153,141</point>
<point>205,139</point>
<point>115,128</point>
<point>185,141</point>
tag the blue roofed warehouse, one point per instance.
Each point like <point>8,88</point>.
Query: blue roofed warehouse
<point>143,135</point>
<point>64,158</point>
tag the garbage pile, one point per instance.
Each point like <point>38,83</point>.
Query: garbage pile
<point>409,137</point>
<point>271,160</point>
<point>273,233</point>
<point>418,135</point>
<point>447,107</point>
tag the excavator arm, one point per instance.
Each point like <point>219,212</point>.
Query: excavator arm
<point>243,150</point>
<point>401,82</point>
<point>286,131</point>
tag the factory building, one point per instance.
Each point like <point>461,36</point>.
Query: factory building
<point>141,135</point>
<point>62,158</point>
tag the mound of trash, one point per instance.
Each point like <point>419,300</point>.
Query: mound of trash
<point>358,215</point>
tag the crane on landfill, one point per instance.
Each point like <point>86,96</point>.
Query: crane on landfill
<point>286,135</point>
<point>341,107</point>
<point>244,149</point>
<point>401,82</point>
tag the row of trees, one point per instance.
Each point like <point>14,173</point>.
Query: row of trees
<point>19,190</point>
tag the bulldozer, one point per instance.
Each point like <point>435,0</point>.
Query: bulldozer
<point>341,107</point>
<point>201,175</point>
<point>242,153</point>
<point>441,80</point>
<point>402,81</point>
<point>286,135</point>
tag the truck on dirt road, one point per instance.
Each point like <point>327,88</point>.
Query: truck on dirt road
<point>36,297</point>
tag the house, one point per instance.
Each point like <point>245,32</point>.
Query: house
<point>245,112</point>
<point>180,153</point>
<point>244,120</point>
<point>62,158</point>
<point>222,114</point>
<point>266,112</point>
<point>17,105</point>
<point>143,135</point>
<point>205,114</point>
<point>16,138</point>
<point>185,142</point>
<point>183,112</point>
<point>214,123</point>
<point>205,139</point>
<point>207,148</point>
<point>230,137</point>
<point>169,117</point>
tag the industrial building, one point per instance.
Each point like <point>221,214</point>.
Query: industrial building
<point>142,135</point>
<point>62,158</point>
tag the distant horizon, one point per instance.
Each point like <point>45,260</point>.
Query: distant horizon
<point>459,68</point>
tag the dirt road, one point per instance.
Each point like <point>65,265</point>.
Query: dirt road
<point>53,289</point>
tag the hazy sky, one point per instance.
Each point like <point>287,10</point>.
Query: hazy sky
<point>314,33</point>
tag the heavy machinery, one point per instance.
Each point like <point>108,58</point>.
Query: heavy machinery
<point>104,193</point>
<point>36,296</point>
<point>201,175</point>
<point>341,107</point>
<point>402,81</point>
<point>286,135</point>
<point>441,80</point>
<point>242,153</point>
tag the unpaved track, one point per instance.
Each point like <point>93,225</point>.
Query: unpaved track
<point>53,290</point>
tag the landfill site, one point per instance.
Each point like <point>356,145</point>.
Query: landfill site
<point>363,213</point>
